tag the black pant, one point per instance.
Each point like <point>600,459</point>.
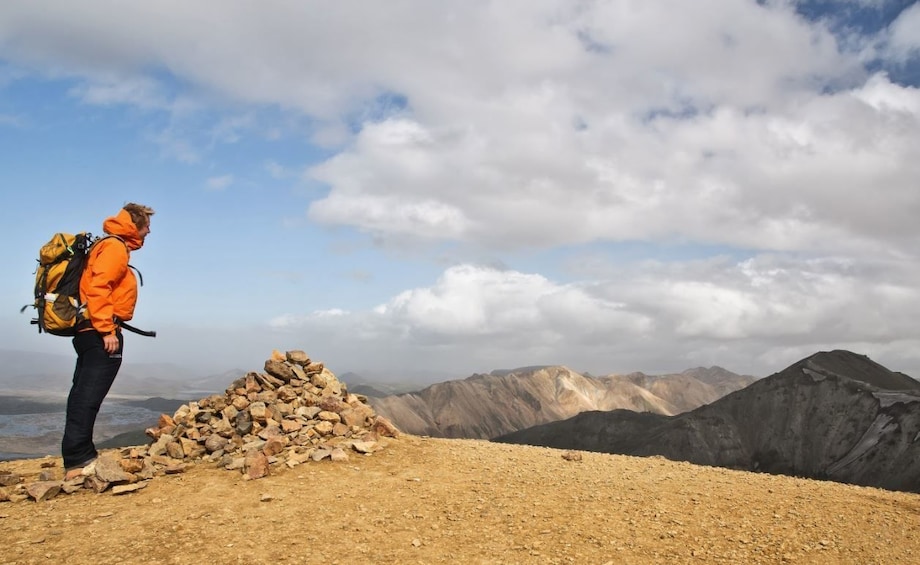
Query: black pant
<point>92,378</point>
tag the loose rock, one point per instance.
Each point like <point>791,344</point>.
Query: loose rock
<point>43,490</point>
<point>297,409</point>
<point>124,489</point>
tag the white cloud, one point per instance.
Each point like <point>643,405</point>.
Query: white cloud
<point>883,96</point>
<point>231,129</point>
<point>219,183</point>
<point>286,321</point>
<point>757,314</point>
<point>139,91</point>
<point>744,127</point>
<point>793,180</point>
<point>471,301</point>
<point>276,170</point>
<point>904,34</point>
<point>174,144</point>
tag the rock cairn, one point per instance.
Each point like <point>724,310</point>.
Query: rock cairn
<point>297,410</point>
<point>294,412</point>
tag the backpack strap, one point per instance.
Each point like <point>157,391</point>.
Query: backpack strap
<point>140,277</point>
<point>118,321</point>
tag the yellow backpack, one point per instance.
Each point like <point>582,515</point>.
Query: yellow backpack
<point>57,283</point>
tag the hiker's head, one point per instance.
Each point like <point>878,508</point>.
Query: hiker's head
<point>140,215</point>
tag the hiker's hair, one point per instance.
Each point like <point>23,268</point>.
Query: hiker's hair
<point>140,214</point>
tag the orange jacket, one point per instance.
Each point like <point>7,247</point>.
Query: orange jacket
<point>108,287</point>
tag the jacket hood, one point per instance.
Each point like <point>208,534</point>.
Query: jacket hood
<point>122,226</point>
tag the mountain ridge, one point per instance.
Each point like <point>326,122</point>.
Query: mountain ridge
<point>825,417</point>
<point>486,405</point>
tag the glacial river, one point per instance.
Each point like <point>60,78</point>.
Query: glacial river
<point>36,435</point>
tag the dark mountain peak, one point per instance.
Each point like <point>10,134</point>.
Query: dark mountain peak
<point>844,364</point>
<point>834,415</point>
<point>716,375</point>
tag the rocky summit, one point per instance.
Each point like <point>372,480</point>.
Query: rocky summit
<point>293,412</point>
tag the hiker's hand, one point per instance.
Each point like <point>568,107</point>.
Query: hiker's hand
<point>110,343</point>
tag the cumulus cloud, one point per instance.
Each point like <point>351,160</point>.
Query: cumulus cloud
<point>747,126</point>
<point>904,37</point>
<point>756,313</point>
<point>479,303</point>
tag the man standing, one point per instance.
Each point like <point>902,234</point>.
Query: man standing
<point>108,289</point>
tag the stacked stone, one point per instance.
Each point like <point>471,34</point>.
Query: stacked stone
<point>294,411</point>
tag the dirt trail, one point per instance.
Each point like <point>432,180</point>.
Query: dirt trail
<point>425,500</point>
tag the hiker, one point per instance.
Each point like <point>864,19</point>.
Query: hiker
<point>108,288</point>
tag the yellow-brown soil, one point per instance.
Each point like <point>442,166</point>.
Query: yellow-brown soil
<point>424,500</point>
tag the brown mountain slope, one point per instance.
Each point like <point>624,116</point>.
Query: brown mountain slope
<point>467,501</point>
<point>825,417</point>
<point>486,406</point>
<point>692,388</point>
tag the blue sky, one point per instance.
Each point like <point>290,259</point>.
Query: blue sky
<point>446,188</point>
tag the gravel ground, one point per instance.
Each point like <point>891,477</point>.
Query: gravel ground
<point>426,500</point>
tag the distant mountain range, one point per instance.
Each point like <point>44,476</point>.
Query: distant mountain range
<point>834,415</point>
<point>47,375</point>
<point>50,375</point>
<point>484,406</point>
<point>379,387</point>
